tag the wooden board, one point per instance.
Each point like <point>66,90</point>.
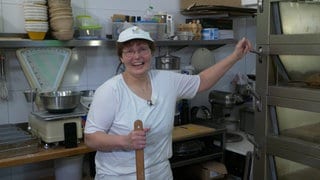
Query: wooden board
<point>45,154</point>
<point>189,131</point>
<point>179,133</point>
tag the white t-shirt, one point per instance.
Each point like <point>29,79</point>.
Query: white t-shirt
<point>115,108</point>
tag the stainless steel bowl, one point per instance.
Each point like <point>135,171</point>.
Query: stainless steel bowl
<point>87,93</point>
<point>30,95</point>
<point>60,101</point>
<point>86,98</point>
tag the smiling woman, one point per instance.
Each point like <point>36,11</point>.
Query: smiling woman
<point>149,95</point>
<point>125,39</point>
<point>136,57</point>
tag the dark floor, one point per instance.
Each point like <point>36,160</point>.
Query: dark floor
<point>187,173</point>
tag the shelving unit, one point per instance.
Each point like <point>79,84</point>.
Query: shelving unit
<point>210,152</point>
<point>18,43</point>
<point>219,11</point>
<point>207,136</point>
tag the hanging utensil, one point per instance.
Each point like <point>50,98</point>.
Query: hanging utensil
<point>139,154</point>
<point>3,83</point>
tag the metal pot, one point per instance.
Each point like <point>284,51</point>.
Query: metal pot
<point>60,101</point>
<point>222,98</point>
<point>168,62</point>
<point>226,99</point>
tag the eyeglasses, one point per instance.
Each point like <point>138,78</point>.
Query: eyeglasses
<point>141,51</point>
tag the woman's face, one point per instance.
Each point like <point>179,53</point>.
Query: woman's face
<point>136,57</point>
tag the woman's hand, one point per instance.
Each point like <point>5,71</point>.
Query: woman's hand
<point>242,48</point>
<point>137,139</point>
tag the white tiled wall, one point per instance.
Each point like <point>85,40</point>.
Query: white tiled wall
<point>243,27</point>
<point>92,66</point>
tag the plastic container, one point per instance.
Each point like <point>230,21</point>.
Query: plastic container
<point>85,21</point>
<point>210,33</point>
<point>68,168</point>
<point>93,32</point>
<point>37,35</point>
<point>185,35</point>
<point>87,27</point>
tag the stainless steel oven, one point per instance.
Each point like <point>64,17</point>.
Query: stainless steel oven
<point>287,130</point>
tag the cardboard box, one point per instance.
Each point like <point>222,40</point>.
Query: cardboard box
<point>184,4</point>
<point>210,170</point>
<point>213,170</point>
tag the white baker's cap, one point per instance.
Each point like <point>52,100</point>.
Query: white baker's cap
<point>134,32</point>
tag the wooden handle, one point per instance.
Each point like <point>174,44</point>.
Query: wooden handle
<point>139,154</point>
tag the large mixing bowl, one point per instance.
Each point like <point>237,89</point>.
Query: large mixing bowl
<point>60,101</point>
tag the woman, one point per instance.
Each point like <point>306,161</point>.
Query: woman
<point>148,95</point>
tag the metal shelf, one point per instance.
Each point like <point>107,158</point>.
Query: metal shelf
<point>217,42</point>
<point>199,159</point>
<point>18,41</point>
<point>219,11</point>
<point>294,149</point>
<point>300,93</point>
<point>209,151</point>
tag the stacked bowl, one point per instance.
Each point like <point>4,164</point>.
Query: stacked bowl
<point>36,18</point>
<point>61,19</point>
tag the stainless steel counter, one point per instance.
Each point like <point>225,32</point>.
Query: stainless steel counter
<point>241,147</point>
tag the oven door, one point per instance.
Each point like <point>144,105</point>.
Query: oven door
<point>287,130</point>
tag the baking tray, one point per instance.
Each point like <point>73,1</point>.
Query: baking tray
<point>14,141</point>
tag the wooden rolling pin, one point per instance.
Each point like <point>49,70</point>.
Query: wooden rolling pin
<point>139,154</point>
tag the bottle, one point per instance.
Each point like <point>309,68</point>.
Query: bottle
<point>149,13</point>
<point>185,112</point>
<point>199,29</point>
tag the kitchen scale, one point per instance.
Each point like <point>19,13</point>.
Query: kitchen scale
<point>44,67</point>
<point>49,127</point>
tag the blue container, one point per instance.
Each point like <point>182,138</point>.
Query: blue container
<point>210,33</point>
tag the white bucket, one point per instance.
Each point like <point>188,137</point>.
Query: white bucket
<point>68,168</point>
